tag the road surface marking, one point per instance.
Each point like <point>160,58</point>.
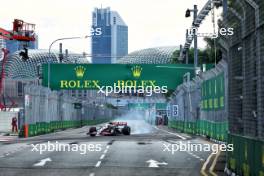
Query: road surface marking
<point>92,174</point>
<point>7,138</point>
<point>205,164</point>
<point>153,163</point>
<point>195,156</point>
<point>102,156</point>
<point>98,164</point>
<point>183,138</point>
<point>211,170</point>
<point>43,162</point>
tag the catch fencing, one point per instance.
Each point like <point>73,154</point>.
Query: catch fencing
<point>199,106</point>
<point>46,111</point>
<point>245,53</point>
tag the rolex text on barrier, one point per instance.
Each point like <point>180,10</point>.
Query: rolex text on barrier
<point>96,76</point>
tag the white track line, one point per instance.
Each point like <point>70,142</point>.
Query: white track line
<point>98,164</point>
<point>183,138</point>
<point>102,156</point>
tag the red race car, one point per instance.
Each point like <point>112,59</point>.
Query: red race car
<point>110,129</point>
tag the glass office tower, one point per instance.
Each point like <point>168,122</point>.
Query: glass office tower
<point>112,44</point>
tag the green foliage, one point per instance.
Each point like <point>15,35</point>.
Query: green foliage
<point>175,57</point>
<point>210,54</point>
<point>212,50</point>
<point>230,3</point>
<point>206,56</point>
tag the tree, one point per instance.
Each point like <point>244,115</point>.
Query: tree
<point>175,57</point>
<point>212,50</point>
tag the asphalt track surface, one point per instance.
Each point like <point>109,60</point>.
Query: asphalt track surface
<point>143,153</point>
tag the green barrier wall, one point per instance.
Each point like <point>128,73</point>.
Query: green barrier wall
<point>248,156</point>
<point>49,127</point>
<point>213,94</point>
<point>214,130</point>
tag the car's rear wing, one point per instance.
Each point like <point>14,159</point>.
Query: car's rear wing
<point>119,123</point>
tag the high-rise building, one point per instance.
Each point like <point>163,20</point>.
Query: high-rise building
<point>112,44</point>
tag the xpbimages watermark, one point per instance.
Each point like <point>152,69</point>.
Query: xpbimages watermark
<point>147,90</point>
<point>221,32</point>
<point>64,147</point>
<point>194,147</point>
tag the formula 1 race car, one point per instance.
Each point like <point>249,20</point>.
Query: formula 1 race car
<point>110,129</point>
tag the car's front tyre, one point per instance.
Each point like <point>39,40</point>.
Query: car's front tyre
<point>92,131</point>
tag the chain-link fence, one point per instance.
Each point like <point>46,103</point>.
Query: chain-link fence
<point>46,111</point>
<point>245,53</point>
<point>246,61</point>
<point>199,106</point>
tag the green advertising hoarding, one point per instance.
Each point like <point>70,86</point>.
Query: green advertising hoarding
<point>90,76</point>
<point>213,93</point>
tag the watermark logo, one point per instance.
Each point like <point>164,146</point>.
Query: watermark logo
<point>117,89</point>
<point>96,31</point>
<point>222,32</point>
<point>196,147</point>
<point>83,148</point>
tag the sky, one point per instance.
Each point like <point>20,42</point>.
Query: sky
<point>151,23</point>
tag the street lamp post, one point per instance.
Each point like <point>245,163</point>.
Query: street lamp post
<point>60,39</point>
<point>194,32</point>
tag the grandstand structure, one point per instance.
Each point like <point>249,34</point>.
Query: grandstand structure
<point>158,55</point>
<point>16,68</point>
<point>19,72</point>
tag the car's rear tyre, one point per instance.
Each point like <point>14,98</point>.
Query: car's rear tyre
<point>126,130</point>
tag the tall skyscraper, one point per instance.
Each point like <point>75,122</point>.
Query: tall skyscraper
<point>112,44</point>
